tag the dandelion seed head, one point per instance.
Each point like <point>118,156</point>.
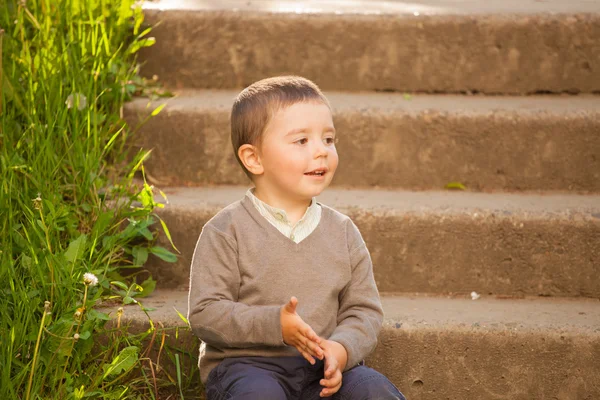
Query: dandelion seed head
<point>90,279</point>
<point>37,202</point>
<point>77,99</point>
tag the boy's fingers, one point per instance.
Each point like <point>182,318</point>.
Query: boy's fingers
<point>332,385</point>
<point>313,348</point>
<point>308,357</point>
<point>330,391</point>
<point>291,305</point>
<point>309,333</point>
<point>330,371</point>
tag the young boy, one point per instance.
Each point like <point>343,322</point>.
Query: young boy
<point>282,292</point>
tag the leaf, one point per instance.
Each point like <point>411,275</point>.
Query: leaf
<point>138,44</point>
<point>163,254</point>
<point>119,284</point>
<point>158,109</point>
<point>183,318</point>
<point>103,222</point>
<point>26,261</point>
<point>123,362</point>
<point>94,314</point>
<point>148,287</point>
<point>76,249</point>
<point>168,233</point>
<point>129,300</point>
<point>456,185</point>
<point>96,118</point>
<point>146,233</point>
<point>85,335</point>
<point>140,255</point>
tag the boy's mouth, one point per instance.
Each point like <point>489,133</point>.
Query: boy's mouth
<point>317,172</point>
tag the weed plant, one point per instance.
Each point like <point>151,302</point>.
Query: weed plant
<point>70,216</point>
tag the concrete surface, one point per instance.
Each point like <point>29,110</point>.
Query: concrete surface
<point>453,47</point>
<point>436,242</point>
<point>455,348</point>
<point>397,7</point>
<point>386,140</point>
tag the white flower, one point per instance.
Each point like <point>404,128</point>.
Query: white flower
<point>76,336</point>
<point>77,99</point>
<point>90,279</point>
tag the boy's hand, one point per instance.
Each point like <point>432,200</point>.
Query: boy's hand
<point>298,333</point>
<point>336,358</point>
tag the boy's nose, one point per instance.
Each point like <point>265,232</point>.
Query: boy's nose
<point>320,149</point>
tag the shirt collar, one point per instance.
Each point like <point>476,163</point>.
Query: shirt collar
<point>275,212</point>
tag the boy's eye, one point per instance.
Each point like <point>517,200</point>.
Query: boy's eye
<point>330,140</point>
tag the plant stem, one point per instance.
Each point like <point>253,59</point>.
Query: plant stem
<point>35,353</point>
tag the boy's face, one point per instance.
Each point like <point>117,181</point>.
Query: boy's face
<point>298,139</point>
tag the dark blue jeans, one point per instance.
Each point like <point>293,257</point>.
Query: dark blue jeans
<point>292,378</point>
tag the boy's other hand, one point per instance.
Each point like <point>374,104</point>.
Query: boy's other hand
<point>336,358</point>
<point>298,333</point>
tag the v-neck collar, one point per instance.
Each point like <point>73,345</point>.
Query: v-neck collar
<point>275,215</point>
<point>247,203</point>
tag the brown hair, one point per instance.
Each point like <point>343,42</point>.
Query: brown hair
<point>254,107</point>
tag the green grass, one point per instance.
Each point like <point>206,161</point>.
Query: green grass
<point>67,67</point>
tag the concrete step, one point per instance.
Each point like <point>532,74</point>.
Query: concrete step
<point>387,140</point>
<point>456,348</point>
<point>436,242</point>
<point>428,45</point>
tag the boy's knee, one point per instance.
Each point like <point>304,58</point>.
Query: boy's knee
<point>247,388</point>
<point>368,384</point>
<point>267,389</point>
<point>376,389</point>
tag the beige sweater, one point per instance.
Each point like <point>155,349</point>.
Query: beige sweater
<point>243,270</point>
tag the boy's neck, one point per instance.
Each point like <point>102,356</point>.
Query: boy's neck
<point>295,209</point>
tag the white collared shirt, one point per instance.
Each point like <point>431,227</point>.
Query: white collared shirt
<point>278,218</point>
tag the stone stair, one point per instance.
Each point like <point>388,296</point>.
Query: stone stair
<point>525,235</point>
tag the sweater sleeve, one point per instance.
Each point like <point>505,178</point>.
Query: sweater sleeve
<point>214,314</point>
<point>360,314</point>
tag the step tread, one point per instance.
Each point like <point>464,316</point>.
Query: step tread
<point>417,312</point>
<point>443,203</point>
<point>198,100</point>
<point>396,7</point>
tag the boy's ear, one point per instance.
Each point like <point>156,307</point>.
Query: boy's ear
<point>251,158</point>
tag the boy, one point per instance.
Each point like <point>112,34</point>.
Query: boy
<point>282,292</point>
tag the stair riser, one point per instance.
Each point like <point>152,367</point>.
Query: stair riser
<point>464,363</point>
<point>412,150</point>
<point>472,364</point>
<point>436,253</point>
<point>489,54</point>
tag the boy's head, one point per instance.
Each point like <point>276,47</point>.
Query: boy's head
<point>281,129</point>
